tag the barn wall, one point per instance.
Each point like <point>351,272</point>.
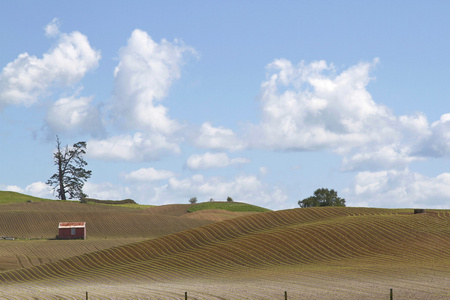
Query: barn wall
<point>66,233</point>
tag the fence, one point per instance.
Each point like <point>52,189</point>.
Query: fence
<point>391,295</point>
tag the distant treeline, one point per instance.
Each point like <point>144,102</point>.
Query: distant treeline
<point>126,201</point>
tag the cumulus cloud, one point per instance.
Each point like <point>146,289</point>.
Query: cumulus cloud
<point>36,189</point>
<point>218,138</point>
<point>213,160</point>
<point>241,188</point>
<point>74,115</point>
<point>437,141</point>
<point>399,188</point>
<point>149,174</point>
<point>245,188</point>
<point>107,191</point>
<point>379,158</point>
<point>137,147</point>
<point>143,77</point>
<point>308,107</point>
<point>25,79</point>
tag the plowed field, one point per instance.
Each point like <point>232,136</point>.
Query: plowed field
<point>314,253</point>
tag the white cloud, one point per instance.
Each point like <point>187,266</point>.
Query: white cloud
<point>213,160</point>
<point>380,158</point>
<point>395,188</point>
<point>247,189</point>
<point>308,107</point>
<point>218,138</point>
<point>137,147</point>
<point>437,142</point>
<point>52,28</point>
<point>107,191</point>
<point>74,115</point>
<point>39,189</point>
<point>149,174</point>
<point>142,78</point>
<point>36,189</point>
<point>27,78</point>
<point>14,188</point>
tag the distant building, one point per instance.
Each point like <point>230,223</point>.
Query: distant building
<point>72,230</point>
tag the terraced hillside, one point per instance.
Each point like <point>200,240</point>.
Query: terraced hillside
<point>322,253</point>
<point>34,225</point>
<point>40,220</point>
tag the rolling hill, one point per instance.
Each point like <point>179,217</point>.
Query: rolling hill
<point>313,253</point>
<point>34,223</point>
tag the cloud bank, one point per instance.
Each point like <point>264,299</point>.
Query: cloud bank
<point>213,160</point>
<point>303,107</point>
<point>309,107</point>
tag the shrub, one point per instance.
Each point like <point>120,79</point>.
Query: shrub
<point>193,200</point>
<point>90,200</point>
<point>229,199</point>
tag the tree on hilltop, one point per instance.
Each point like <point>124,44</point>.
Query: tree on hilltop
<point>71,173</point>
<point>322,197</point>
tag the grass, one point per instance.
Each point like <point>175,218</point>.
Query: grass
<point>14,197</point>
<point>230,206</point>
<point>126,205</point>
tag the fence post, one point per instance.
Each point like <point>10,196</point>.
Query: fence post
<point>185,295</point>
<point>391,295</point>
<point>87,296</point>
<point>285,295</point>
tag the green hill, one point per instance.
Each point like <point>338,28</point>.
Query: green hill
<point>14,197</point>
<point>230,206</point>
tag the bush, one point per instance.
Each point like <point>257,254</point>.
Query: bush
<point>193,200</point>
<point>229,199</point>
<point>90,200</point>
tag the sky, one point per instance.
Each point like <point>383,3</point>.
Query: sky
<point>260,101</point>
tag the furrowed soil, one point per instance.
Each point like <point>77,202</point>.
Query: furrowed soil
<point>313,253</point>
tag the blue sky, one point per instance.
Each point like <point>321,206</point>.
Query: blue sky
<point>262,101</point>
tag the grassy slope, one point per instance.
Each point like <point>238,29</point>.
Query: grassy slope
<point>13,197</point>
<point>229,206</point>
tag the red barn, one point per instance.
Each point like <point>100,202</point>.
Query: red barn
<point>72,230</point>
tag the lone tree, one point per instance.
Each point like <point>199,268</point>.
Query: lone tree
<point>322,197</point>
<point>71,174</point>
<point>193,200</point>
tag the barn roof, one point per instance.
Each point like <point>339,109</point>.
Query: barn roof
<point>72,224</point>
